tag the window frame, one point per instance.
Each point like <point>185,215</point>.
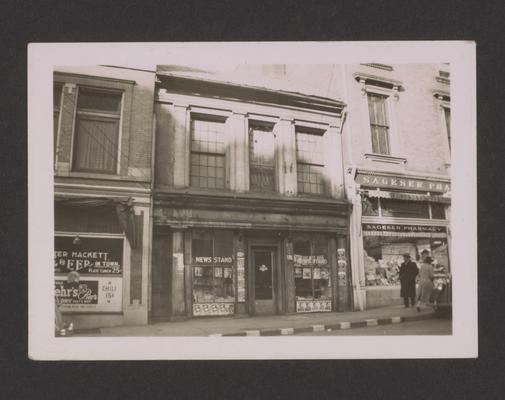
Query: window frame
<point>321,133</point>
<point>251,124</point>
<point>223,118</point>
<point>57,108</point>
<point>106,116</point>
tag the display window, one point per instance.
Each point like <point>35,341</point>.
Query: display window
<point>388,207</point>
<point>312,273</point>
<point>213,269</point>
<point>383,256</point>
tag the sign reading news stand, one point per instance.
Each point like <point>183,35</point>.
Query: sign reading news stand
<point>99,262</point>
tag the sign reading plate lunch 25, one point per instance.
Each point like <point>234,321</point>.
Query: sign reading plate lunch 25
<point>94,256</point>
<point>402,182</point>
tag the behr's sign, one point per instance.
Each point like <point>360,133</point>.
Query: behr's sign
<point>402,183</point>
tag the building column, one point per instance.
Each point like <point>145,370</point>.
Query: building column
<point>286,157</point>
<point>357,252</point>
<point>239,155</point>
<point>178,303</point>
<point>181,144</point>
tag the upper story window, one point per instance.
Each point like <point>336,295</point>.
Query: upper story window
<point>310,162</point>
<point>261,158</point>
<point>208,158</point>
<point>379,97</point>
<point>97,127</point>
<point>57,90</point>
<point>379,125</point>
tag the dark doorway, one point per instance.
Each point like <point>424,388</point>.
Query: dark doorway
<point>264,281</point>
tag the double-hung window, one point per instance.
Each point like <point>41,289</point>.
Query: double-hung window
<point>310,162</point>
<point>379,125</point>
<point>97,127</point>
<point>208,153</point>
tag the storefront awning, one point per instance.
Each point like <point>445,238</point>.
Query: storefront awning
<point>408,196</point>
<point>123,207</point>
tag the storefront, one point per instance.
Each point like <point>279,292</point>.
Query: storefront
<point>400,215</point>
<point>99,262</point>
<point>214,271</point>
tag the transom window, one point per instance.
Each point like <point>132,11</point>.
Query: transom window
<point>261,158</point>
<point>97,130</point>
<point>375,207</point>
<point>379,125</point>
<point>310,162</point>
<point>207,153</point>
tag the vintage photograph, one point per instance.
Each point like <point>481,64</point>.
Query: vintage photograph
<point>251,199</point>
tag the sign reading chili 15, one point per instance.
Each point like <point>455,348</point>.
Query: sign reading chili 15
<point>402,183</point>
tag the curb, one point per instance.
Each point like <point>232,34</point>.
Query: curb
<point>334,326</point>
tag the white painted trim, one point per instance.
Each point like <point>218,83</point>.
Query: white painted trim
<point>405,221</point>
<point>273,119</point>
<point>74,120</point>
<point>211,111</point>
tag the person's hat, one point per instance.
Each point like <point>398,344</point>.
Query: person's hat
<point>406,255</point>
<point>425,251</point>
<point>428,260</point>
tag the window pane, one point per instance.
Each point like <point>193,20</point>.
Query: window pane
<point>223,246</point>
<point>437,211</point>
<point>370,206</point>
<point>96,144</point>
<point>404,209</point>
<point>309,148</point>
<point>261,159</point>
<point>57,88</point>
<point>202,248</point>
<point>310,179</point>
<point>99,101</point>
<point>379,125</point>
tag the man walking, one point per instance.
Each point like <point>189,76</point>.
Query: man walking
<point>408,273</point>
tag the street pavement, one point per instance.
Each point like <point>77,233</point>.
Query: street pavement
<point>423,327</point>
<point>270,325</point>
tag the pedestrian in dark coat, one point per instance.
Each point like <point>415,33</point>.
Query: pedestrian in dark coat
<point>408,273</point>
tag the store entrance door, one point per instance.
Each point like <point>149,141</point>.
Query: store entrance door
<point>263,274</point>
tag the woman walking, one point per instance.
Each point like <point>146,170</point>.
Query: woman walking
<point>426,276</point>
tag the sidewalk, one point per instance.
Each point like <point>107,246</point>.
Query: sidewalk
<point>269,325</point>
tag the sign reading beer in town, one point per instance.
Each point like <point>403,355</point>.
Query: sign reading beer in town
<point>402,182</point>
<point>94,256</point>
<point>100,294</point>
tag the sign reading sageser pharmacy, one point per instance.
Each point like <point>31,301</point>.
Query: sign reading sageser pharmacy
<point>402,182</point>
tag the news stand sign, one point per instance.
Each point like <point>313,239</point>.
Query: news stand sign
<point>99,262</point>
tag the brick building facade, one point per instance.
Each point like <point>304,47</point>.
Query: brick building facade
<point>103,130</point>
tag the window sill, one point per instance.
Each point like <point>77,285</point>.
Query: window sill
<point>385,159</point>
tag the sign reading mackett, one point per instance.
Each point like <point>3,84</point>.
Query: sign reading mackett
<point>402,183</point>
